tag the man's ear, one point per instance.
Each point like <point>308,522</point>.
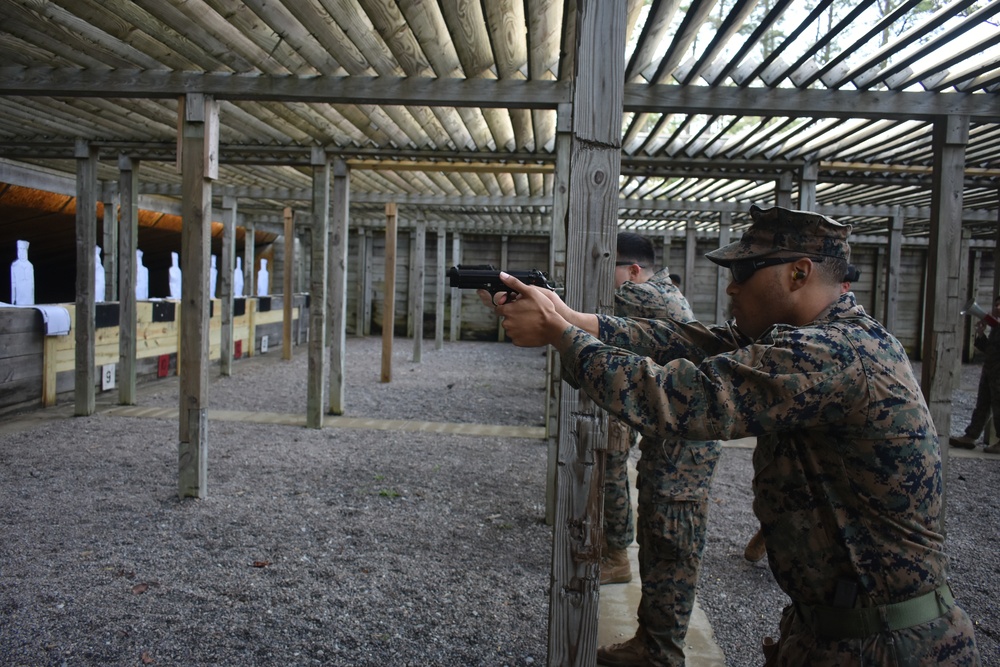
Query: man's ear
<point>634,271</point>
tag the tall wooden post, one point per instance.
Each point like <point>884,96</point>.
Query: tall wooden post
<point>940,357</point>
<point>389,311</point>
<point>439,289</point>
<point>111,200</point>
<point>417,287</point>
<point>128,234</point>
<point>455,323</point>
<point>224,284</point>
<point>319,277</point>
<point>289,297</point>
<point>595,164</point>
<point>337,299</point>
<point>722,275</point>
<point>199,150</point>
<point>941,367</point>
<point>249,271</point>
<point>86,243</point>
<point>893,261</point>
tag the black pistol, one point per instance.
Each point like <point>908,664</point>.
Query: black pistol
<point>487,277</point>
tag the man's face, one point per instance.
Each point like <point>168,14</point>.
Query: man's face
<point>756,304</point>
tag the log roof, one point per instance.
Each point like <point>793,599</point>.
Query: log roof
<point>451,108</point>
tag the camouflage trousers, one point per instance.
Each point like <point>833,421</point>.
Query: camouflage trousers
<point>948,640</point>
<point>671,541</point>
<point>987,400</point>
<point>619,523</point>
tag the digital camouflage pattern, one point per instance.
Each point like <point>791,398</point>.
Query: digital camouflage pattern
<point>779,228</point>
<point>847,467</point>
<point>673,483</point>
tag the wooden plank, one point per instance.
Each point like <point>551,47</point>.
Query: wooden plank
<point>319,306</point>
<point>86,241</point>
<point>389,316</point>
<point>592,215</point>
<point>287,275</point>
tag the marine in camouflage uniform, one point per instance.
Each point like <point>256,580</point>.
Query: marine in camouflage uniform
<point>847,484</point>
<point>673,482</point>
<point>988,396</point>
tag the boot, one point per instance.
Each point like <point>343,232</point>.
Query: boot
<point>632,653</point>
<point>615,568</point>
<point>962,442</point>
<point>992,449</point>
<point>756,548</point>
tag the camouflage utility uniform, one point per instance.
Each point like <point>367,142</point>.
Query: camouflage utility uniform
<point>673,481</point>
<point>988,397</point>
<point>847,483</point>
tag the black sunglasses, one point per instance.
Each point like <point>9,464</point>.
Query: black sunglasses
<point>742,269</point>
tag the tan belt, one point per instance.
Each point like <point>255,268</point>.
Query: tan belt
<point>836,623</point>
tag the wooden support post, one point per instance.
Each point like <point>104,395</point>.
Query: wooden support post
<point>504,265</point>
<point>969,323</point>
<point>319,286</point>
<point>337,298</point>
<point>417,287</point>
<point>289,297</point>
<point>199,118</point>
<point>807,186</point>
<point>455,331</point>
<point>940,345</point>
<point>364,281</point>
<point>557,270</point>
<point>783,189</point>
<point>111,200</point>
<point>86,242</point>
<point>251,325</point>
<point>941,367</point>
<point>595,165</point>
<point>128,235</point>
<point>893,263</point>
<point>389,310</point>
<point>249,270</point>
<point>224,284</point>
<point>722,275</point>
<point>690,251</point>
<point>439,304</point>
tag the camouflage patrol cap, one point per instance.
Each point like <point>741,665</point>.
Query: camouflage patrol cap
<point>776,228</point>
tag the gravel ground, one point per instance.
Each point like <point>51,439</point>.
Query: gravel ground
<point>351,547</point>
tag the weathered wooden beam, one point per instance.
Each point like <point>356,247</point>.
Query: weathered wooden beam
<point>320,294</point>
<point>128,239</point>
<point>381,90</point>
<point>417,287</point>
<point>224,285</point>
<point>86,242</point>
<point>940,355</point>
<point>288,274</point>
<point>389,308</point>
<point>197,113</point>
<point>595,164</point>
<point>337,298</point>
